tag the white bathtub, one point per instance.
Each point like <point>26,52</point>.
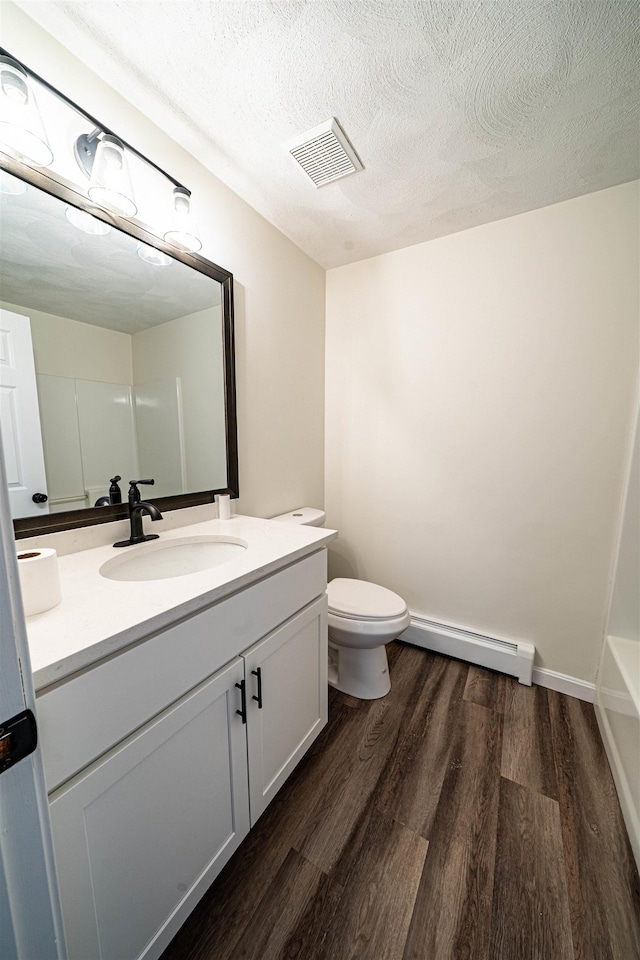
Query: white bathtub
<point>618,711</point>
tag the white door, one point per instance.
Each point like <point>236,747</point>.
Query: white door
<point>20,417</point>
<point>286,683</point>
<point>30,919</point>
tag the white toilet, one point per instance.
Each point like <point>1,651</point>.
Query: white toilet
<point>363,617</point>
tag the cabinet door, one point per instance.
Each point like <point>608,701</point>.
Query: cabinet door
<point>289,669</point>
<point>140,834</point>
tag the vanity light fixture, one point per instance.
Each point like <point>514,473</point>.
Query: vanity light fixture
<point>21,127</point>
<point>100,154</point>
<point>85,222</point>
<point>155,257</point>
<point>102,157</point>
<point>183,233</point>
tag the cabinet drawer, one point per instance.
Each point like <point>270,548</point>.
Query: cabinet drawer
<point>82,718</point>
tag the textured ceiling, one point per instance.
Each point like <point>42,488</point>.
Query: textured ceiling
<point>462,112</point>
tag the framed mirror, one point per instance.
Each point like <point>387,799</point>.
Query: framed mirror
<point>116,360</point>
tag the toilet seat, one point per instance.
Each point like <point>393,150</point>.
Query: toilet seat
<point>362,600</point>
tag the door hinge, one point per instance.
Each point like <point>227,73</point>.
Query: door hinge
<point>18,738</point>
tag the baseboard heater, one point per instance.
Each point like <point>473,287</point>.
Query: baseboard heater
<point>507,656</point>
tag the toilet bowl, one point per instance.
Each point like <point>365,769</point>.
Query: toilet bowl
<point>363,617</point>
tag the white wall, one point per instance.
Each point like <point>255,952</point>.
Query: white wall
<point>68,348</point>
<point>479,402</point>
<point>188,348</point>
<point>279,292</point>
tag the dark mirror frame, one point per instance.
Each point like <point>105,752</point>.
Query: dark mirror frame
<point>88,516</point>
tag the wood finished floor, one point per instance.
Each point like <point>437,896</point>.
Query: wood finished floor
<point>462,817</point>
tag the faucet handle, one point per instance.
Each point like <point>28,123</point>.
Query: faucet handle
<point>134,493</point>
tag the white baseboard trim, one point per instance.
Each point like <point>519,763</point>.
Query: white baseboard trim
<point>563,683</point>
<point>514,657</point>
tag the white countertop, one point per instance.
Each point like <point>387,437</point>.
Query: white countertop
<point>99,617</point>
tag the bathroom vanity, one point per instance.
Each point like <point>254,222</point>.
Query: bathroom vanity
<point>169,725</point>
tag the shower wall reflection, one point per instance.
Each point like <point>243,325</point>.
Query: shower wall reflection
<point>129,404</point>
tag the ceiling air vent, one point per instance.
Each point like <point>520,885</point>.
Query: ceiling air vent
<point>324,153</point>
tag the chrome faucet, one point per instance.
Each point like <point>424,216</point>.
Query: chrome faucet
<point>137,508</point>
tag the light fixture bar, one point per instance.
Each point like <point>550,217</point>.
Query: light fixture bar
<point>84,149</point>
<point>96,123</point>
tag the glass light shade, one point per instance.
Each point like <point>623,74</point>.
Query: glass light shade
<point>110,186</point>
<point>21,127</point>
<point>155,257</point>
<point>183,232</point>
<point>85,222</point>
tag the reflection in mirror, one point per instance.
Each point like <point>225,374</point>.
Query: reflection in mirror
<point>117,352</point>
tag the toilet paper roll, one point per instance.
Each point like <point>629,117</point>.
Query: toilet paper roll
<point>39,580</point>
<point>223,501</point>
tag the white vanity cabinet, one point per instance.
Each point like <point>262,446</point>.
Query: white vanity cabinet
<point>146,810</point>
<point>142,829</point>
<point>286,683</point>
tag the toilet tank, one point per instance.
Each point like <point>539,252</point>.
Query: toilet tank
<point>307,516</point>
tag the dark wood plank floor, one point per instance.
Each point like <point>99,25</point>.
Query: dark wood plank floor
<point>462,817</point>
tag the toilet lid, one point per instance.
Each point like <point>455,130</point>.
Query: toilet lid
<point>361,600</point>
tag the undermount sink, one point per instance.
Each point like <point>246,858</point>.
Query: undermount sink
<point>162,560</point>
